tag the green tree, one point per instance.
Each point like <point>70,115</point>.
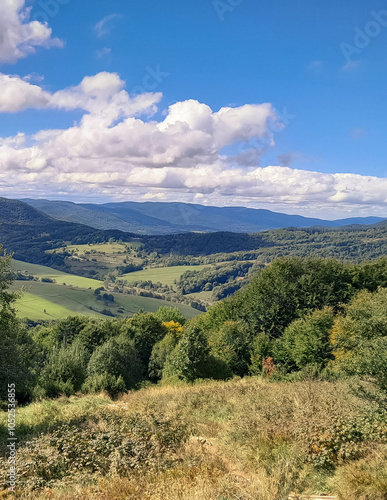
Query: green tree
<point>306,341</point>
<point>189,358</point>
<point>359,337</point>
<point>16,349</point>
<point>64,371</point>
<point>145,330</point>
<point>162,349</point>
<point>167,313</point>
<point>260,349</point>
<point>118,358</point>
<point>232,345</point>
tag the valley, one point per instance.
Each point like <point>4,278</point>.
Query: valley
<point>180,355</point>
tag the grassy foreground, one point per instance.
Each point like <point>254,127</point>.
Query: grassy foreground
<point>242,439</point>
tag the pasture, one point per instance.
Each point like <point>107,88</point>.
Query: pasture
<point>164,275</point>
<point>59,276</point>
<point>54,301</point>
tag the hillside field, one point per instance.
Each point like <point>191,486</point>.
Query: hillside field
<point>56,301</point>
<point>164,275</point>
<point>59,276</point>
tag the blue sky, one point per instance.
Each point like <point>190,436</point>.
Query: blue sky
<point>199,69</point>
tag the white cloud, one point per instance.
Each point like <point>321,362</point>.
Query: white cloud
<point>114,152</point>
<point>101,94</point>
<point>351,66</point>
<point>103,27</point>
<point>103,53</point>
<point>18,95</point>
<point>19,36</point>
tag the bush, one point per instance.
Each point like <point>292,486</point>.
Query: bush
<point>231,345</point>
<point>64,372</point>
<point>365,479</point>
<point>189,358</point>
<point>105,446</point>
<point>117,357</point>
<point>216,369</point>
<point>104,382</point>
<point>306,341</point>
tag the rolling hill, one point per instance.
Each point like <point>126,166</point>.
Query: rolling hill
<point>29,232</point>
<point>167,218</point>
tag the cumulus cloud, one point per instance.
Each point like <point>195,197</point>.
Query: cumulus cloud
<point>120,150</point>
<point>19,36</point>
<point>102,94</point>
<point>18,95</point>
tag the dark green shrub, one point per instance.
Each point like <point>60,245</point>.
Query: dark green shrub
<point>117,357</point>
<point>64,372</point>
<point>231,344</point>
<point>104,382</point>
<point>189,358</point>
<point>306,341</point>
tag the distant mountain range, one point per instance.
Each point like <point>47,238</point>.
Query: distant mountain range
<point>30,233</point>
<point>152,218</point>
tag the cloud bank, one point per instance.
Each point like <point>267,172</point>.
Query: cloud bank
<point>119,150</point>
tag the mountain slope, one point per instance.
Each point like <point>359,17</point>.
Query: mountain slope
<point>168,218</point>
<point>29,233</point>
<point>103,217</point>
<point>17,212</point>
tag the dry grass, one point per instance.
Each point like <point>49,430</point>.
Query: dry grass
<point>365,479</point>
<point>249,441</point>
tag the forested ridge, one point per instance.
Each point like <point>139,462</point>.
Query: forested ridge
<point>29,233</point>
<point>353,243</point>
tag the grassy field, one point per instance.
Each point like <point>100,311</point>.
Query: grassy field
<point>108,248</point>
<point>53,301</point>
<point>58,276</point>
<point>164,275</point>
<point>34,307</point>
<point>244,439</point>
<point>100,257</point>
<point>206,296</point>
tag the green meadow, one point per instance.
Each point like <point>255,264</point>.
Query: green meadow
<point>164,275</point>
<point>59,276</point>
<point>54,301</point>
